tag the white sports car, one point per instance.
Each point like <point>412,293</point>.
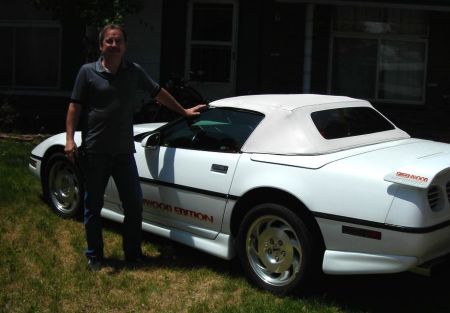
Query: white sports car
<point>290,184</point>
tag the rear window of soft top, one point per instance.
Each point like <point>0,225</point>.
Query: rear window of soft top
<point>350,121</point>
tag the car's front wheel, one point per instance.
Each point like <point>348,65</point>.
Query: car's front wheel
<point>276,249</point>
<point>63,187</point>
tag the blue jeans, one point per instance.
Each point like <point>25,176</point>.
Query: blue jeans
<point>97,169</point>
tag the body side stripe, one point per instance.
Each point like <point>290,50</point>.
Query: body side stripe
<point>337,218</point>
<point>403,229</point>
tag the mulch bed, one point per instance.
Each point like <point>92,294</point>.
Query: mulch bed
<point>28,137</point>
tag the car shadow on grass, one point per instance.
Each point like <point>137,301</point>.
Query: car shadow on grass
<point>172,254</point>
<point>403,292</point>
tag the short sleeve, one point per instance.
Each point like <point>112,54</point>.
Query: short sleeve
<point>79,91</point>
<point>147,83</point>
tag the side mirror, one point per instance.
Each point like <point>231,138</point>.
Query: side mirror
<point>151,141</point>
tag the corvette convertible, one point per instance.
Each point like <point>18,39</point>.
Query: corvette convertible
<point>293,186</point>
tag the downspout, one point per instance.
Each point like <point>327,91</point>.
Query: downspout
<point>307,55</point>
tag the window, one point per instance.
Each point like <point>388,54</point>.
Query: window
<point>379,54</point>
<point>220,130</point>
<point>347,122</point>
<point>211,42</point>
<point>30,56</point>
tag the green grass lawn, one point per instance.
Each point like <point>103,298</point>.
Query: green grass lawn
<point>43,269</point>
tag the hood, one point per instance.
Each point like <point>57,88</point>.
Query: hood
<point>142,128</point>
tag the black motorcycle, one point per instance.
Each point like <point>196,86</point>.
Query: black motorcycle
<point>180,89</point>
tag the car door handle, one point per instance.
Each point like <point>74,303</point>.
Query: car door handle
<point>223,169</point>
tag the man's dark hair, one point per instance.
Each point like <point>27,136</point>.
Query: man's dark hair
<point>101,35</point>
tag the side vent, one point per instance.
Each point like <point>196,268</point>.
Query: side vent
<point>434,197</point>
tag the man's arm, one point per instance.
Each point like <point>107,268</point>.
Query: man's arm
<point>166,99</point>
<point>73,116</point>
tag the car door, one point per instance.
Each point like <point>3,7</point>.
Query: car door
<point>186,177</point>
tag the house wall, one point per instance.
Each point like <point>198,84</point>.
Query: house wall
<point>72,52</point>
<point>21,12</point>
<point>173,44</point>
<point>428,120</point>
<point>270,47</point>
<point>270,57</point>
<point>282,45</point>
<point>321,49</point>
<point>45,108</point>
<point>438,80</point>
<point>41,109</point>
<point>144,32</point>
<point>144,41</point>
<point>249,58</point>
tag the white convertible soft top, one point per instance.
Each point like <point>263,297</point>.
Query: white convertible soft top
<point>289,130</point>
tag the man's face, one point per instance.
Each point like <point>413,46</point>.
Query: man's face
<point>113,44</point>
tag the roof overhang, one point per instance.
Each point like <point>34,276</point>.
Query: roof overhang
<point>427,5</point>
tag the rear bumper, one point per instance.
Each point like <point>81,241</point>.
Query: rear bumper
<point>434,266</point>
<point>353,263</point>
<point>397,250</point>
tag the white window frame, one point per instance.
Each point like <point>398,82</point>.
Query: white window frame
<point>232,44</point>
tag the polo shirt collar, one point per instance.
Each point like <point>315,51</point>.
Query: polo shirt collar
<point>101,69</point>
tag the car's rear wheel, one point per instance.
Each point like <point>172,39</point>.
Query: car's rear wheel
<point>63,187</point>
<point>276,249</point>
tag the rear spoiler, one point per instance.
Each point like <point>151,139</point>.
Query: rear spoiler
<point>421,173</point>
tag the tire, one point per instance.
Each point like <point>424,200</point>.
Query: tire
<point>276,250</point>
<point>63,186</point>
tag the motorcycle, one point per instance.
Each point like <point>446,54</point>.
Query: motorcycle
<point>180,89</point>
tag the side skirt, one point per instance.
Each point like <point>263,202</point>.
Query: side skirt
<point>222,246</point>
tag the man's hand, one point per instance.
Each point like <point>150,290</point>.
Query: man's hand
<point>169,101</point>
<point>194,111</point>
<point>71,150</point>
<point>73,115</point>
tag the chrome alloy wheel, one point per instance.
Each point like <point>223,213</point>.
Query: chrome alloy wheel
<point>273,250</point>
<point>64,187</point>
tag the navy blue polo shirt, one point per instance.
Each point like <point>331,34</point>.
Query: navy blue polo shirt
<point>108,102</point>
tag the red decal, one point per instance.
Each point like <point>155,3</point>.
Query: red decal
<point>417,178</point>
<point>179,211</point>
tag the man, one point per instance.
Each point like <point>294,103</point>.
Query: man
<point>102,101</point>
